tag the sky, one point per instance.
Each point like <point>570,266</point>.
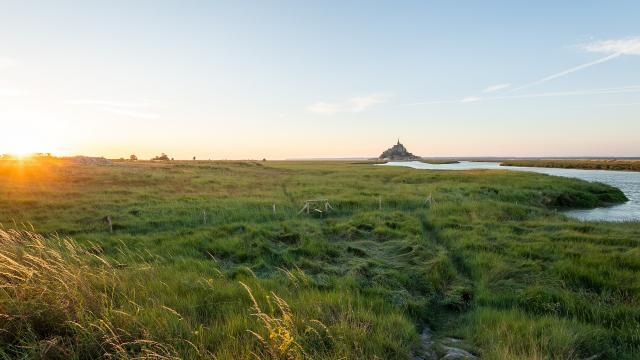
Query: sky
<point>302,79</point>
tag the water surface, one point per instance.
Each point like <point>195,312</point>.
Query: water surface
<point>627,181</point>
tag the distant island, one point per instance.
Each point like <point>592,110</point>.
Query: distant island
<point>398,152</point>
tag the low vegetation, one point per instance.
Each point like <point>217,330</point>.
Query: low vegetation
<point>212,259</point>
<point>626,165</point>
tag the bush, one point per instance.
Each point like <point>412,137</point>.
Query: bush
<point>163,157</point>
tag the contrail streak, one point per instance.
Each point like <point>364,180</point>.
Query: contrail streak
<point>567,72</point>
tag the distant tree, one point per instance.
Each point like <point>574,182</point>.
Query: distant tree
<point>133,158</point>
<point>171,159</point>
<point>264,159</point>
<point>163,157</point>
<point>41,156</point>
<point>194,158</point>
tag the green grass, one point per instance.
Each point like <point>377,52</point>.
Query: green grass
<point>626,165</point>
<point>491,260</point>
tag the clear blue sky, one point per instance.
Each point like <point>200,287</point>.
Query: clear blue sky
<point>242,79</point>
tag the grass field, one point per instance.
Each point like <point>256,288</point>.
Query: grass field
<point>212,259</point>
<point>628,165</point>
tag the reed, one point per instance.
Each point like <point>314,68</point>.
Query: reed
<point>57,299</point>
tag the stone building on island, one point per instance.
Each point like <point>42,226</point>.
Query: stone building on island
<point>397,152</point>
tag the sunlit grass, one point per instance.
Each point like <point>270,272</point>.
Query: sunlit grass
<point>491,260</point>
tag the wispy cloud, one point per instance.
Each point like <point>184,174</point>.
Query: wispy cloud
<point>494,88</point>
<point>138,110</point>
<point>567,72</point>
<point>470,99</point>
<point>613,48</point>
<point>626,46</point>
<point>353,105</point>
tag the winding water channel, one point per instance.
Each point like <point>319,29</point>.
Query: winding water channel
<point>627,181</point>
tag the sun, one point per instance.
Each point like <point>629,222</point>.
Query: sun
<point>22,152</point>
<point>25,147</point>
<point>29,131</point>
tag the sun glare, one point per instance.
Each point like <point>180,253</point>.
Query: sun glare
<point>26,149</point>
<point>22,153</point>
<point>25,141</point>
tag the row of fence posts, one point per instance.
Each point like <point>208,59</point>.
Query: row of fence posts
<point>309,205</point>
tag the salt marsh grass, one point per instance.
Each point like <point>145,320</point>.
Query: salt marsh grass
<point>490,261</point>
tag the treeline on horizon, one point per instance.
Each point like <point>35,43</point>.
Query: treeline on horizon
<point>623,163</point>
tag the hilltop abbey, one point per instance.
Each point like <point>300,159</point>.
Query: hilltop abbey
<point>397,152</point>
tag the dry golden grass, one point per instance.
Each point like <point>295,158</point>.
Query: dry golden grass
<point>281,339</point>
<point>63,295</point>
<point>60,300</point>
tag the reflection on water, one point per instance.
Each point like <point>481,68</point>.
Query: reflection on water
<point>627,181</point>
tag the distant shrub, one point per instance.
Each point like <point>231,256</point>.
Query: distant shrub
<point>163,157</point>
<point>133,158</point>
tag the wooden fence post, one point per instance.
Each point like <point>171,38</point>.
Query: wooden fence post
<point>110,222</point>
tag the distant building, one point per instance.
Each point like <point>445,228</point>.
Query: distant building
<point>397,152</point>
